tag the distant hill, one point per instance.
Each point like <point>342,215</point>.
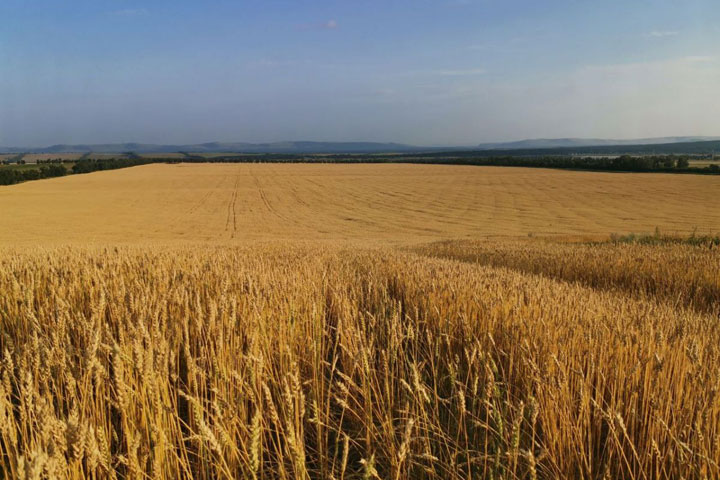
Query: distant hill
<point>558,146</point>
<point>587,142</point>
<point>218,147</point>
<point>682,148</point>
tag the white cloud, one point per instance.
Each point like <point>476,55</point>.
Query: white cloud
<point>676,96</point>
<point>662,33</point>
<point>669,97</point>
<point>331,24</point>
<point>700,59</point>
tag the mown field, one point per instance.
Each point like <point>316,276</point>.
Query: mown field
<point>358,321</point>
<point>385,203</point>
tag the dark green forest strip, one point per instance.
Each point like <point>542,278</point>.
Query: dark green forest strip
<point>625,163</point>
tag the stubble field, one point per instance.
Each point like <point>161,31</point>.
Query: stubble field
<point>358,321</point>
<point>396,203</point>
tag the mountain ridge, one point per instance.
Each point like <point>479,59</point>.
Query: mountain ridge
<point>224,147</point>
<point>313,147</point>
<point>589,142</point>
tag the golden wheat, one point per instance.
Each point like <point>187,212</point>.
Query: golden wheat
<point>326,362</point>
<point>195,328</point>
<point>378,203</point>
<point>681,274</point>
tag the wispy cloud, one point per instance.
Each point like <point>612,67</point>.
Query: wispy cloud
<point>660,69</point>
<point>460,73</point>
<point>328,25</point>
<point>700,59</point>
<point>662,33</point>
<point>130,12</point>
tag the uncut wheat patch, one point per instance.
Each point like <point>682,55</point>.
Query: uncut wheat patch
<point>319,362</point>
<point>681,274</point>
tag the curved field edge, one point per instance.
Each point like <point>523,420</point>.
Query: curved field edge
<point>681,274</point>
<point>298,362</point>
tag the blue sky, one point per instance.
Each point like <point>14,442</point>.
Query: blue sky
<point>426,72</point>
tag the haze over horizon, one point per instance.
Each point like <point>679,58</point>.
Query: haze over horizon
<point>426,73</point>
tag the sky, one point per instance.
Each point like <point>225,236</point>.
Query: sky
<point>422,72</point>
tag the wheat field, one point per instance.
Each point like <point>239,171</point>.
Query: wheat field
<point>272,321</point>
<point>384,203</point>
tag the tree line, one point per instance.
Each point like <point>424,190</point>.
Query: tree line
<point>624,163</point>
<point>11,176</point>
